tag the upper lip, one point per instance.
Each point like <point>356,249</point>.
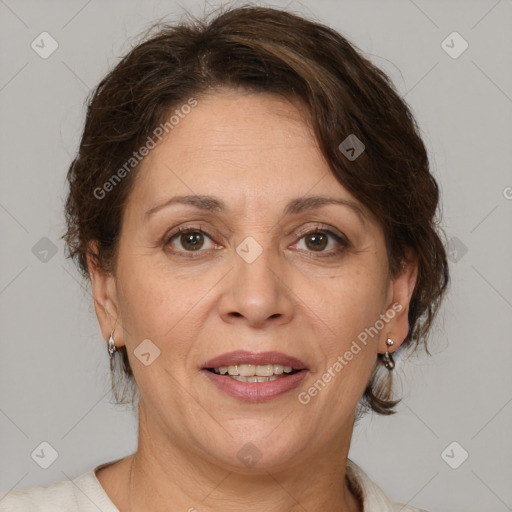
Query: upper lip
<point>246,357</point>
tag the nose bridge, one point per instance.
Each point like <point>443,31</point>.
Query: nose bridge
<point>256,288</point>
<point>256,264</point>
<point>257,243</point>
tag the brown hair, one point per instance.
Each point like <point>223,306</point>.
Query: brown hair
<point>261,49</point>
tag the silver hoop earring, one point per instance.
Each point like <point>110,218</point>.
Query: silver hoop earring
<point>111,346</point>
<point>387,357</point>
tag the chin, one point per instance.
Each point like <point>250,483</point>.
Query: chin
<point>254,453</point>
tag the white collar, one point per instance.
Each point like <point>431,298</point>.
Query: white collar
<point>373,497</point>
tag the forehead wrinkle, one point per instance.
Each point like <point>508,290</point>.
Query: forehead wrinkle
<point>293,207</point>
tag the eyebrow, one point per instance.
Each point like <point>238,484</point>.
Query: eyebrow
<point>293,207</point>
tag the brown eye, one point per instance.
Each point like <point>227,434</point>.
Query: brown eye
<point>316,241</point>
<point>191,241</point>
<point>188,241</point>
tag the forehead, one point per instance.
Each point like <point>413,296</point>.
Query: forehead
<point>256,150</point>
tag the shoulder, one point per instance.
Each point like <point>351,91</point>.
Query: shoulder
<point>373,497</point>
<point>57,497</point>
<point>402,507</point>
<point>81,494</point>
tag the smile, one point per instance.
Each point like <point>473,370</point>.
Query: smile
<point>255,373</point>
<point>255,377</point>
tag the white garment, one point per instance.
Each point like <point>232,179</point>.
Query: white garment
<point>85,494</point>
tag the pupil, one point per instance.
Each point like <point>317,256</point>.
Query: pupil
<point>319,240</point>
<point>191,241</point>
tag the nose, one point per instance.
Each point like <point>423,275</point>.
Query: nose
<point>257,292</point>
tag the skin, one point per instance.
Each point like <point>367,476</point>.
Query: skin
<point>255,152</point>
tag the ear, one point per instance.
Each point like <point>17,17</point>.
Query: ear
<point>402,288</point>
<point>105,296</point>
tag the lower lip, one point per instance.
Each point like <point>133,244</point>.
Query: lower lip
<point>256,391</point>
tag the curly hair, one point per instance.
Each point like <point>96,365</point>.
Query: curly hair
<point>261,49</point>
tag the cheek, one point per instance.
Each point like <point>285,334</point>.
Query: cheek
<point>349,309</point>
<point>166,308</point>
<point>350,303</point>
<point>155,308</point>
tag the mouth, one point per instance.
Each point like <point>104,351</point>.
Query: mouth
<point>255,377</point>
<point>255,373</point>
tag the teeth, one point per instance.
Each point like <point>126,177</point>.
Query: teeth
<point>265,370</point>
<point>247,370</point>
<point>251,370</point>
<point>255,378</point>
<point>278,369</point>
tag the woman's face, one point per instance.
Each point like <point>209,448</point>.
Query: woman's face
<point>248,275</point>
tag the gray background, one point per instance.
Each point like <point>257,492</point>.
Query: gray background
<point>54,376</point>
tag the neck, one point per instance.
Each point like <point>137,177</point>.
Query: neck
<point>158,477</point>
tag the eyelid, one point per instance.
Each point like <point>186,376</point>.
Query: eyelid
<point>298,233</point>
<point>341,239</point>
<point>320,227</point>
<point>166,239</point>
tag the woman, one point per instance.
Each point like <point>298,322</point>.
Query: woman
<point>253,206</point>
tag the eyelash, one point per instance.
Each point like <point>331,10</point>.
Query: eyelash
<point>317,229</point>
